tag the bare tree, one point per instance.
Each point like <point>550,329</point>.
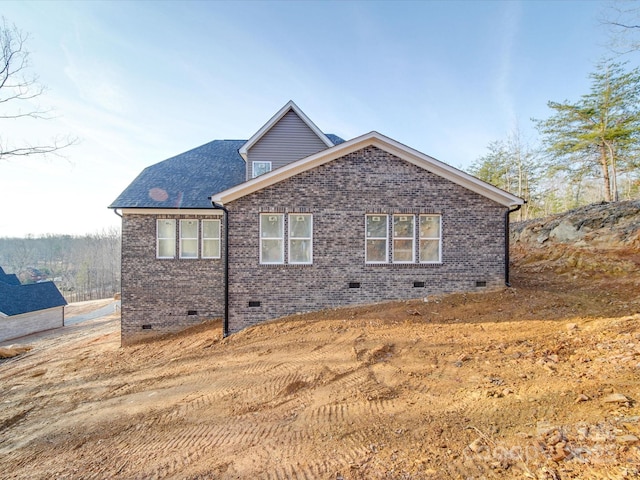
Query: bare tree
<point>18,90</point>
<point>622,21</point>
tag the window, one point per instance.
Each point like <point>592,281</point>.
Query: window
<point>376,250</point>
<point>430,239</point>
<point>271,238</point>
<point>300,238</point>
<point>188,238</point>
<point>166,238</point>
<point>260,168</point>
<point>403,239</point>
<point>210,238</point>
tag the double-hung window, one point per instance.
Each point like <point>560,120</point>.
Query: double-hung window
<point>271,238</point>
<point>403,239</point>
<point>376,247</point>
<point>166,238</point>
<point>403,232</point>
<point>430,239</point>
<point>210,238</point>
<point>188,238</point>
<point>300,238</point>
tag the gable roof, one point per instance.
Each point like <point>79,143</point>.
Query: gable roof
<point>9,278</point>
<point>186,180</point>
<point>384,143</point>
<point>17,299</point>
<point>290,106</point>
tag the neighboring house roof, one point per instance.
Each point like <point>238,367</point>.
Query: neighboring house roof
<point>384,143</point>
<point>186,180</point>
<point>9,278</point>
<point>275,119</point>
<point>17,299</point>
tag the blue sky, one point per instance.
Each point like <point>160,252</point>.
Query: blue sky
<point>138,82</point>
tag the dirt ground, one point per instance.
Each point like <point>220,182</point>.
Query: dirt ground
<point>537,381</point>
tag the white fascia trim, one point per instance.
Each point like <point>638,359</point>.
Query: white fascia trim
<point>384,143</point>
<point>275,119</point>
<point>171,211</point>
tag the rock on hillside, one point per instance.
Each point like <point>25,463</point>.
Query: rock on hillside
<point>599,241</point>
<point>599,225</point>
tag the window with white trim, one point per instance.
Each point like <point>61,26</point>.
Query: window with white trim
<point>271,238</point>
<point>430,238</point>
<point>260,168</point>
<point>165,238</point>
<point>188,238</point>
<point>300,238</point>
<point>376,246</point>
<point>210,239</point>
<point>403,239</point>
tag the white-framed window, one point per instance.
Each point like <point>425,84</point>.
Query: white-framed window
<point>377,233</point>
<point>271,238</point>
<point>403,239</point>
<point>260,168</point>
<point>188,238</point>
<point>430,238</point>
<point>165,238</point>
<point>300,238</point>
<point>210,239</point>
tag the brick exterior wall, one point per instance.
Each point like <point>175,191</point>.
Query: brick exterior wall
<point>339,194</point>
<point>159,293</point>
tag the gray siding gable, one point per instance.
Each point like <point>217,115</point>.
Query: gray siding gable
<point>288,140</point>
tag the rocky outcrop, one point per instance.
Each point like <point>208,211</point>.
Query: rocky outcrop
<point>599,225</point>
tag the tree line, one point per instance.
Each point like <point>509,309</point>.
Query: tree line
<point>588,150</point>
<point>83,267</point>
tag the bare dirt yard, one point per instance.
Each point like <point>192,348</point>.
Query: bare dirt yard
<point>540,381</point>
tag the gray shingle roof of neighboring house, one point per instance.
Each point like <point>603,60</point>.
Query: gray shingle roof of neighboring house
<point>188,179</point>
<point>17,299</point>
<point>9,278</point>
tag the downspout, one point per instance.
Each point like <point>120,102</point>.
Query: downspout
<point>506,243</point>
<point>225,321</point>
<point>115,210</point>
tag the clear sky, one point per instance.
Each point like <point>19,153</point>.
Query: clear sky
<point>138,82</point>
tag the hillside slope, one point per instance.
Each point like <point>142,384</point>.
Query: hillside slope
<point>535,381</point>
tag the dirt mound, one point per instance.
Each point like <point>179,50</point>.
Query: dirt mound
<point>535,381</point>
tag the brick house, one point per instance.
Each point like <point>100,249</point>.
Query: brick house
<point>314,222</point>
<point>28,308</point>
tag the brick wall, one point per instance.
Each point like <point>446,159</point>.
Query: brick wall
<point>159,293</point>
<point>32,322</point>
<point>339,194</point>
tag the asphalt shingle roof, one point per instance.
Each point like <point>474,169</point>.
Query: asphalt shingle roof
<point>9,278</point>
<point>17,298</point>
<point>190,178</point>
